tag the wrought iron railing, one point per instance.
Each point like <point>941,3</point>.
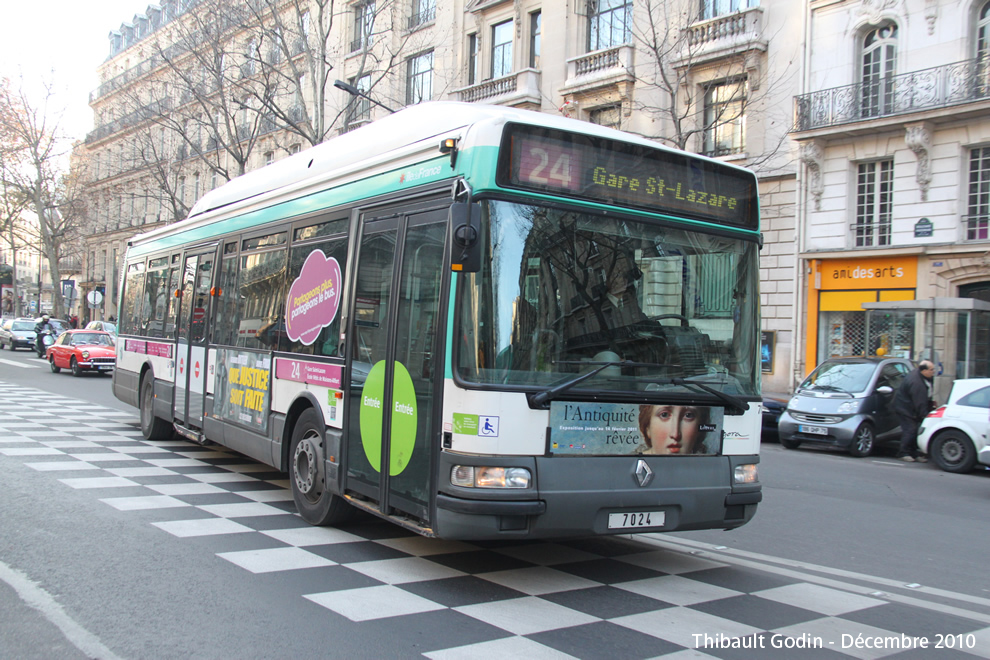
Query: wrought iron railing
<point>425,16</point>
<point>938,87</point>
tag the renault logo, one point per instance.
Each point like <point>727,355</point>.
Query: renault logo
<point>644,474</point>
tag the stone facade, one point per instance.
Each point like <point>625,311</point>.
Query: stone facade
<point>716,77</point>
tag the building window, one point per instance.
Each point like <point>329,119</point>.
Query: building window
<point>978,197</point>
<point>182,191</point>
<point>983,51</point>
<point>419,79</point>
<point>502,49</point>
<point>364,24</point>
<point>423,11</point>
<point>609,23</point>
<point>472,58</point>
<point>725,118</point>
<point>535,32</point>
<point>251,58</point>
<point>609,115</point>
<point>874,203</point>
<point>295,148</point>
<point>358,107</point>
<point>714,8</point>
<point>269,157</point>
<point>878,65</point>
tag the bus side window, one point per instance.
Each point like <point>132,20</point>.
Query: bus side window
<point>225,325</point>
<point>171,303</point>
<point>130,313</point>
<point>261,294</point>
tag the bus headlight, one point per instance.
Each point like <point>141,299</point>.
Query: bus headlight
<point>474,476</point>
<point>745,474</point>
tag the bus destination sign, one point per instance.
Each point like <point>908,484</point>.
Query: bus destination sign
<point>603,170</point>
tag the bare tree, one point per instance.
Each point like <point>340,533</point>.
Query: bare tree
<point>706,102</point>
<point>34,172</point>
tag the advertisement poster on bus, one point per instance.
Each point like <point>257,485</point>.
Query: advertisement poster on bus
<point>614,429</point>
<point>314,298</point>
<point>242,392</point>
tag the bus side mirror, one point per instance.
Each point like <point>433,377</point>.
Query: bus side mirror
<point>465,245</point>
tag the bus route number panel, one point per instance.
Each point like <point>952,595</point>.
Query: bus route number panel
<point>609,171</point>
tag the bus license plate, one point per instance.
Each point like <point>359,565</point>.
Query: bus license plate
<point>637,519</point>
<point>817,430</point>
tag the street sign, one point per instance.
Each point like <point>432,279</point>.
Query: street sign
<point>94,298</point>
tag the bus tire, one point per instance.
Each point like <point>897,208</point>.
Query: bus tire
<point>307,474</point>
<point>152,428</point>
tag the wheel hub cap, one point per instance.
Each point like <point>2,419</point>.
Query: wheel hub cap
<point>305,466</point>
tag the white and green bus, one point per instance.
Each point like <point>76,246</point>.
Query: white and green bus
<point>475,321</point>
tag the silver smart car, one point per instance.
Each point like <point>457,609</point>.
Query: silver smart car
<point>846,403</point>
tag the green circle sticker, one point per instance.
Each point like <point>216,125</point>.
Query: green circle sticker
<point>403,437</point>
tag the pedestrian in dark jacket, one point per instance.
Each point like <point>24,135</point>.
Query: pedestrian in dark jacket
<point>912,403</point>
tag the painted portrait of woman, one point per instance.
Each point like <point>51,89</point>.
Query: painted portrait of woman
<point>673,430</point>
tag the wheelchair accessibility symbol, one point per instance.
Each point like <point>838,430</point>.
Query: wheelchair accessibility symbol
<point>488,426</point>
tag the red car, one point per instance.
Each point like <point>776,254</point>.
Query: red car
<point>83,350</point>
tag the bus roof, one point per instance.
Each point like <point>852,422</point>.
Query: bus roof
<point>381,142</point>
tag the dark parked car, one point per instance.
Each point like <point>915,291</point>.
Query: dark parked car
<point>773,407</point>
<point>846,403</point>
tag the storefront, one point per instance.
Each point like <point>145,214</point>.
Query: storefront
<point>839,326</point>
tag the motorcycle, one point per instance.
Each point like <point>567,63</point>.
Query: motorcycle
<point>44,339</point>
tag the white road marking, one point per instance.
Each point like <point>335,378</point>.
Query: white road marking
<point>39,599</point>
<point>22,365</point>
<point>805,572</point>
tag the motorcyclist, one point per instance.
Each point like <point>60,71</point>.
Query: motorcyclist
<point>42,327</point>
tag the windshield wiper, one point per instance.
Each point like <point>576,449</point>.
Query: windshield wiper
<point>732,402</point>
<point>828,388</point>
<point>540,399</point>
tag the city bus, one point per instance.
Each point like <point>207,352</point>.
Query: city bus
<point>477,322</point>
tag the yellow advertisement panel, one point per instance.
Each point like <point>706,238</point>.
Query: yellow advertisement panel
<point>842,301</point>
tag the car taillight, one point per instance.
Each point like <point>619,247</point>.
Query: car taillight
<point>938,412</point>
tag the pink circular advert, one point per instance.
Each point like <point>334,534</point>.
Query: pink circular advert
<point>314,298</point>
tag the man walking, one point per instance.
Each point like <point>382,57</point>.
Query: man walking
<point>911,403</point>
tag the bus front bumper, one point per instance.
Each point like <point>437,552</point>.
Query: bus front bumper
<point>577,497</point>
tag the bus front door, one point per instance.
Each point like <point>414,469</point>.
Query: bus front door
<point>191,339</point>
<point>393,333</point>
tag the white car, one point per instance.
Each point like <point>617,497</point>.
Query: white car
<point>955,435</point>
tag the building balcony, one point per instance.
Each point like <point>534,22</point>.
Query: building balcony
<point>716,38</point>
<point>598,70</point>
<point>519,88</point>
<point>132,119</point>
<point>908,93</point>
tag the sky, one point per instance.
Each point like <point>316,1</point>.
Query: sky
<point>62,41</point>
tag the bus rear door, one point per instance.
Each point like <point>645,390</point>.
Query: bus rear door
<point>394,341</point>
<point>192,336</point>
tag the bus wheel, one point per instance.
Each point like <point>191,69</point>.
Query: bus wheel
<point>152,428</point>
<point>307,475</point>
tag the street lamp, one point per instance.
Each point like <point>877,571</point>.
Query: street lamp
<point>354,91</point>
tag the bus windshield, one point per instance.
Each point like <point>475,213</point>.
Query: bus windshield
<point>562,293</point>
